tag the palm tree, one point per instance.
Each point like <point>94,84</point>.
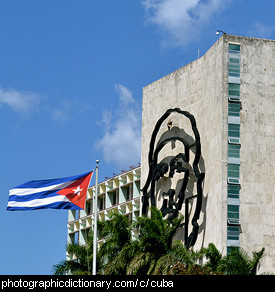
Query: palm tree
<point>153,253</point>
<point>238,262</point>
<point>213,256</point>
<point>138,257</point>
<point>178,261</point>
<point>117,234</point>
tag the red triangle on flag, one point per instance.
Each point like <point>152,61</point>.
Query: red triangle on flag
<point>76,191</point>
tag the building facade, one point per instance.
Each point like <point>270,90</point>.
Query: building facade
<point>230,93</point>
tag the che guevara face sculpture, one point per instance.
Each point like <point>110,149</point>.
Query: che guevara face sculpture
<point>182,168</point>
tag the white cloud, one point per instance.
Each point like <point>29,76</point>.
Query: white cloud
<point>121,143</point>
<point>62,109</point>
<point>125,95</point>
<point>59,115</point>
<point>21,102</point>
<point>181,21</point>
<point>51,106</point>
<point>261,30</point>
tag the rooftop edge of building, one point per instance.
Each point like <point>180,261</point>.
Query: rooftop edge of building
<point>225,38</point>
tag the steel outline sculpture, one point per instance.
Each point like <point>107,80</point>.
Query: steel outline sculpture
<point>156,171</point>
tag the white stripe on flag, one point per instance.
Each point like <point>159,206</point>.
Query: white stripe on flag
<point>29,191</point>
<point>39,202</point>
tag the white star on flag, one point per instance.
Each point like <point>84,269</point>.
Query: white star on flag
<point>77,190</point>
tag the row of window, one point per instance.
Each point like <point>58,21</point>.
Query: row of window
<point>234,60</point>
<point>234,145</point>
<point>234,109</point>
<point>233,232</point>
<point>234,92</point>
<point>233,130</point>
<point>113,197</point>
<point>234,150</point>
<point>81,236</point>
<point>233,170</point>
<point>233,191</point>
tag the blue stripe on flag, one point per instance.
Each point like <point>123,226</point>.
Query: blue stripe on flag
<point>49,182</point>
<point>56,205</point>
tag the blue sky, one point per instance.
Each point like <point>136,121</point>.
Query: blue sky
<point>71,79</point>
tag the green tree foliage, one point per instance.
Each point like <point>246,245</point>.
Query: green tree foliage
<point>154,252</point>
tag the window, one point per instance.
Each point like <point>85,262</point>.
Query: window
<point>234,181</point>
<point>233,170</point>
<point>233,212</point>
<point>128,192</point>
<point>85,233</point>
<point>233,59</point>
<point>75,214</point>
<point>234,70</point>
<point>234,48</point>
<point>101,202</point>
<point>234,92</point>
<point>234,150</point>
<point>76,238</point>
<point>234,56</point>
<point>232,140</point>
<point>113,197</point>
<point>234,109</point>
<point>232,248</point>
<point>234,130</point>
<point>234,98</point>
<point>233,232</point>
<point>234,89</point>
<point>89,207</point>
<point>233,191</point>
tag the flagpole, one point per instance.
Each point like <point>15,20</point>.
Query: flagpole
<point>95,219</point>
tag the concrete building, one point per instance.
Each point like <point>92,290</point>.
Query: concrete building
<point>230,92</point>
<point>119,193</point>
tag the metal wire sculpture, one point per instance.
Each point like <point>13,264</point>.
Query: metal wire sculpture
<point>173,203</point>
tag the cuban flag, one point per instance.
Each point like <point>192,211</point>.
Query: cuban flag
<point>60,193</point>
